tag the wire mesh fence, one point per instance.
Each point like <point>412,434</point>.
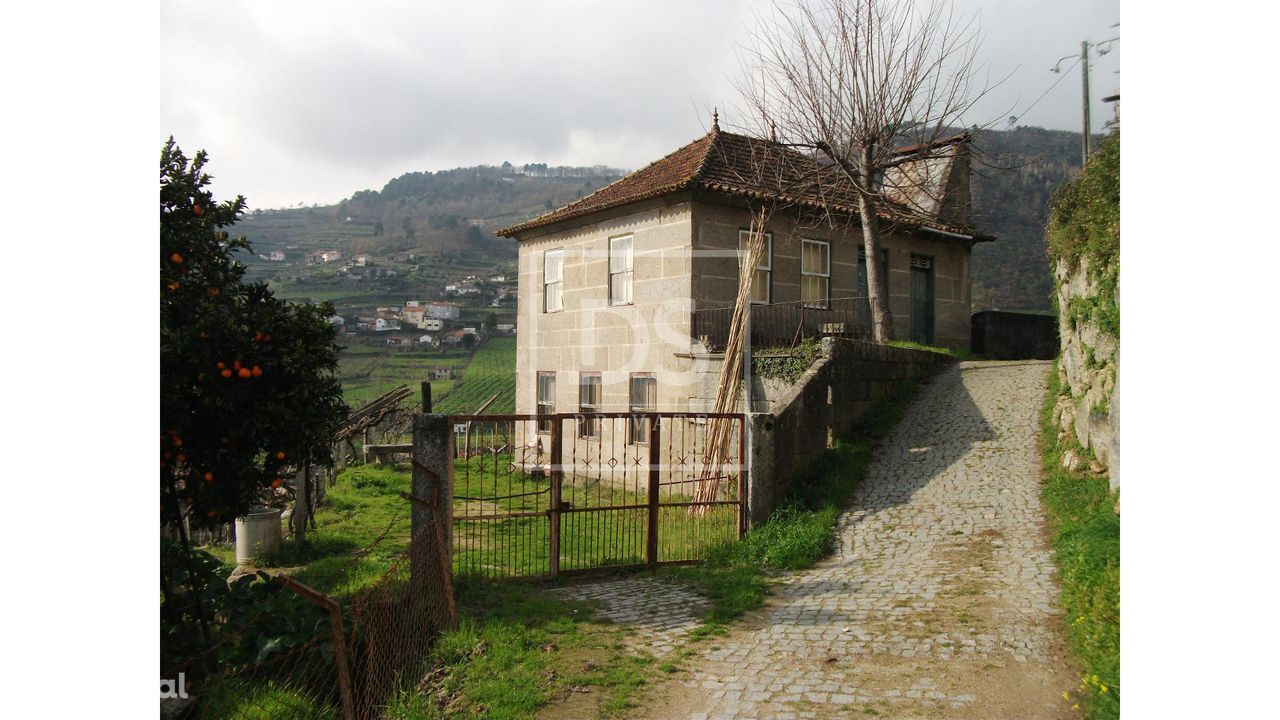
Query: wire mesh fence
<point>501,496</point>
<point>271,647</point>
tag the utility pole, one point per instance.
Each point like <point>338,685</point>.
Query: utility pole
<point>1084,80</point>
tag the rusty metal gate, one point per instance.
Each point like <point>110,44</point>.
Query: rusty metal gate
<point>546,495</point>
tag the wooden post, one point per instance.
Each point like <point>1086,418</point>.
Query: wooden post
<point>744,458</point>
<point>426,396</point>
<point>557,479</point>
<point>655,453</point>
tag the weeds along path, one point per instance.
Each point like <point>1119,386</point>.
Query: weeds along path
<point>940,600</point>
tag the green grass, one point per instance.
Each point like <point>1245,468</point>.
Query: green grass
<point>261,700</point>
<point>957,353</point>
<point>1081,509</point>
<point>356,512</point>
<point>516,650</point>
<point>736,576</point>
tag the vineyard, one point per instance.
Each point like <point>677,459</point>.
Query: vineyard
<point>369,371</point>
<point>491,370</point>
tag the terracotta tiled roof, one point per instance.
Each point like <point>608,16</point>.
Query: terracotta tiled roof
<point>735,165</point>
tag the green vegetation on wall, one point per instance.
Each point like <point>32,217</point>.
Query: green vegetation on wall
<point>785,364</point>
<point>1086,527</point>
<point>1084,224</point>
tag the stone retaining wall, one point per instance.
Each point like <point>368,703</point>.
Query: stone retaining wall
<point>1089,371</point>
<point>824,403</point>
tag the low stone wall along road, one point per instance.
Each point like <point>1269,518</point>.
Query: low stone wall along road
<point>940,601</point>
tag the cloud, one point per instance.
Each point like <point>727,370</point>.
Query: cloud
<point>312,101</point>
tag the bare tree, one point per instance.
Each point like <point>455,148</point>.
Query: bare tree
<point>848,81</point>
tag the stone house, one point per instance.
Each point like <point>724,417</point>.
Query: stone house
<point>617,290</point>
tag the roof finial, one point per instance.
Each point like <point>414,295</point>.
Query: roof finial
<point>715,119</point>
<point>773,131</point>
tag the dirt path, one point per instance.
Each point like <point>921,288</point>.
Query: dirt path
<point>940,601</point>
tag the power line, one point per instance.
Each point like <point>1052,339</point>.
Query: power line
<point>1061,77</point>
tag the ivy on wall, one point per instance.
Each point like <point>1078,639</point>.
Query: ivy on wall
<point>1084,223</point>
<point>786,364</point>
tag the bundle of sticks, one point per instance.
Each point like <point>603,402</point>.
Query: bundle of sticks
<point>720,430</point>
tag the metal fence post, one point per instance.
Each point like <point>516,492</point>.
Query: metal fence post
<point>340,664</point>
<point>557,477</point>
<point>655,459</point>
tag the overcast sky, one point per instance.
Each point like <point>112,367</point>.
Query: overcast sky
<point>310,102</point>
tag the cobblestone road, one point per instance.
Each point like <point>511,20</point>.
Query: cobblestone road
<point>940,600</point>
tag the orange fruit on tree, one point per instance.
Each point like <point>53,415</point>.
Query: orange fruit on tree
<point>277,483</point>
<point>246,372</point>
<point>222,366</point>
<point>177,441</point>
<point>257,371</point>
<point>197,210</point>
<point>182,458</point>
<point>226,373</point>
<point>214,292</point>
<point>280,455</point>
<point>208,477</point>
<point>176,259</point>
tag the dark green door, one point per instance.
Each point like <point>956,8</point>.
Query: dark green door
<point>922,299</point>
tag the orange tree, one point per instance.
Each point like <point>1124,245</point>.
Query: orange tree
<point>248,383</point>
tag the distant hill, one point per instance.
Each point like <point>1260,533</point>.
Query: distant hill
<point>1014,175</point>
<point>437,214</point>
<point>449,216</point>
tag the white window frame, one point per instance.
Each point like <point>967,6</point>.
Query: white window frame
<point>545,406</point>
<point>638,430</point>
<point>549,282</point>
<point>823,277</point>
<point>622,266</point>
<point>589,427</point>
<point>765,266</point>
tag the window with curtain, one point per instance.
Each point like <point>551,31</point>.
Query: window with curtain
<point>761,283</point>
<point>553,280</point>
<point>815,273</point>
<point>621,258</point>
